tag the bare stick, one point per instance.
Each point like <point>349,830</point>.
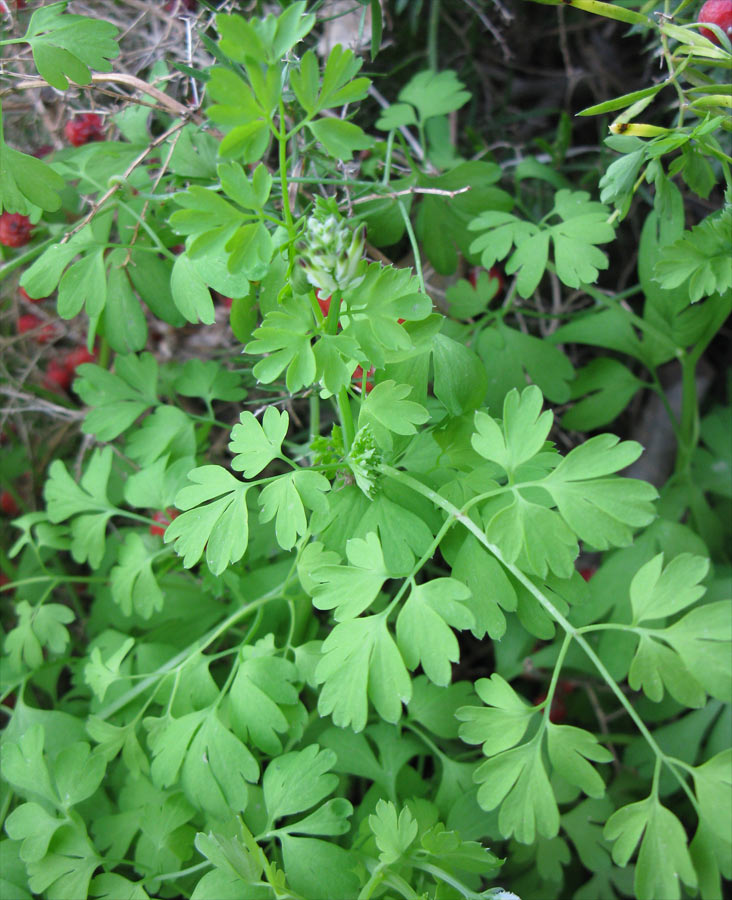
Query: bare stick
<point>173,106</point>
<point>413,190</point>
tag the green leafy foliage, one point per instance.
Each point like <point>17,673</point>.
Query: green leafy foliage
<point>663,860</point>
<point>591,503</point>
<point>354,653</point>
<point>577,259</point>
<point>117,398</point>
<point>220,527</point>
<point>26,183</point>
<point>67,46</point>
<point>689,657</point>
<point>428,94</point>
<point>700,257</point>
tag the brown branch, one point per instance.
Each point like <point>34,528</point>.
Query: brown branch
<point>163,169</point>
<point>168,103</point>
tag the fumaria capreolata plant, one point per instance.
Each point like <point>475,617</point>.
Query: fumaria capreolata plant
<point>317,682</point>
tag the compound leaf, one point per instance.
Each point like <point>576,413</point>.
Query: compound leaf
<point>425,622</point>
<point>285,499</point>
<point>296,781</point>
<point>261,691</point>
<point>27,183</point>
<point>657,593</point>
<point>351,589</point>
<point>66,46</point>
<point>517,781</point>
<point>520,436</point>
<point>117,398</point>
<point>37,627</point>
<point>132,581</point>
<point>664,856</point>
<point>702,640</point>
<point>360,660</point>
<point>216,769</point>
<point>209,381</point>
<point>502,723</point>
<point>387,411</point>
<point>434,93</point>
<point>569,749</point>
<point>285,336</point>
<point>220,526</point>
<point>394,834</point>
<point>713,785</point>
<point>255,446</point>
<point>700,257</point>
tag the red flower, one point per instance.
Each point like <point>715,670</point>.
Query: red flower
<point>717,12</point>
<point>164,518</point>
<point>15,230</point>
<point>84,128</point>
<point>8,504</point>
<point>29,322</point>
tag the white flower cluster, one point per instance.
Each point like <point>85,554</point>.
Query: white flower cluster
<point>331,254</point>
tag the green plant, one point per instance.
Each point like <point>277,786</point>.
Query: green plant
<point>278,698</point>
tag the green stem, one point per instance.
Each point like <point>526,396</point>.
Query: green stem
<point>314,416</point>
<point>415,246</point>
<point>546,603</point>
<point>282,139</point>
<point>432,30</point>
<point>344,408</point>
<point>18,262</point>
<point>197,647</point>
<point>387,159</point>
<point>638,321</point>
<point>555,678</point>
<point>56,579</point>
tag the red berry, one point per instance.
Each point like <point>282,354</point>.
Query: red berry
<point>27,297</point>
<point>226,302</point>
<point>77,357</point>
<point>165,518</point>
<point>29,322</point>
<point>84,128</point>
<point>57,376</point>
<point>15,230</point>
<point>180,6</point>
<point>8,504</point>
<point>718,12</point>
<point>587,572</point>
